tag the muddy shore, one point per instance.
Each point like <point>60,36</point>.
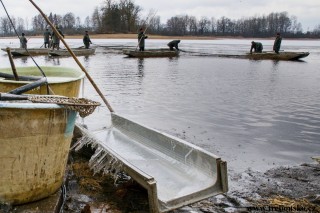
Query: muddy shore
<point>284,187</point>
<point>281,189</point>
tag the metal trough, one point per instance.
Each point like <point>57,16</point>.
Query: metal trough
<point>174,172</point>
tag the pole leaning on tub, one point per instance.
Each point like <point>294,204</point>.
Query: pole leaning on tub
<point>74,57</point>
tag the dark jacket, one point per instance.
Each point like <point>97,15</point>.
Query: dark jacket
<point>257,46</point>
<point>141,38</point>
<point>174,44</point>
<point>277,44</point>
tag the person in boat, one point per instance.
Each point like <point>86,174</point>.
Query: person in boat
<point>277,43</point>
<point>173,44</point>
<point>23,41</point>
<point>257,46</point>
<point>86,40</point>
<point>46,37</point>
<point>141,38</point>
<point>56,39</point>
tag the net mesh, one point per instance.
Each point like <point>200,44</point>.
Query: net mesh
<point>82,105</point>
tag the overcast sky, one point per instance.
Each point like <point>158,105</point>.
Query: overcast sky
<point>307,11</point>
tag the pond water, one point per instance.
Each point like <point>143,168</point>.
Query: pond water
<point>253,114</point>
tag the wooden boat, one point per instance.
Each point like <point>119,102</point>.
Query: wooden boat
<point>62,81</point>
<point>151,53</point>
<point>174,172</point>
<point>31,51</point>
<point>76,51</point>
<point>34,146</point>
<point>275,56</point>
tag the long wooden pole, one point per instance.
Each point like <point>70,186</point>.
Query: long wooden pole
<point>147,22</point>
<point>74,57</point>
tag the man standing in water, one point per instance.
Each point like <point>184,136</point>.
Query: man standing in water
<point>277,43</point>
<point>46,37</point>
<point>141,38</point>
<point>23,41</point>
<point>86,40</point>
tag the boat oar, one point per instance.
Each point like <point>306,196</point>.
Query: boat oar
<point>74,57</point>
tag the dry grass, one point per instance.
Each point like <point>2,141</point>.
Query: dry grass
<point>86,178</point>
<point>295,205</point>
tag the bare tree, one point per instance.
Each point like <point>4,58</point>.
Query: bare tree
<point>87,23</point>
<point>96,20</point>
<point>68,21</point>
<point>129,14</point>
<point>204,25</point>
<point>5,25</point>
<point>20,25</point>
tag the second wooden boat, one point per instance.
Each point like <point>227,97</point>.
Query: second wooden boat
<point>151,53</point>
<point>76,51</point>
<point>280,56</point>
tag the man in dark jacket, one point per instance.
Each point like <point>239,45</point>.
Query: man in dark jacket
<point>277,43</point>
<point>141,38</point>
<point>86,40</point>
<point>257,46</point>
<point>23,41</point>
<point>173,44</point>
<point>56,39</point>
<point>46,37</point>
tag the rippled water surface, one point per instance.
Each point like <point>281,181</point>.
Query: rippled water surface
<point>253,114</point>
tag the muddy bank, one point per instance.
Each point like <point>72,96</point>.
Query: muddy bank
<point>285,187</point>
<point>282,189</point>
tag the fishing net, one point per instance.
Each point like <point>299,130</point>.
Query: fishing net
<point>82,105</point>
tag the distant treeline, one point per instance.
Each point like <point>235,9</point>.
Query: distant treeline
<point>125,17</point>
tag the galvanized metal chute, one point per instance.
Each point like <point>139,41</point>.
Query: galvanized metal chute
<point>174,172</point>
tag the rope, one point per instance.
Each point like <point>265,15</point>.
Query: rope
<point>43,74</point>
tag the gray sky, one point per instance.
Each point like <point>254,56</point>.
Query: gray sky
<point>307,11</point>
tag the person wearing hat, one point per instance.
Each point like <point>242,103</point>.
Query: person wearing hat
<point>257,46</point>
<point>46,37</point>
<point>173,44</point>
<point>55,38</point>
<point>277,43</point>
<point>86,40</point>
<point>23,41</point>
<point>141,38</point>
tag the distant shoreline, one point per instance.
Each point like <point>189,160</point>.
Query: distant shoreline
<point>151,36</point>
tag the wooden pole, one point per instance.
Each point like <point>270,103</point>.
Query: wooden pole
<point>13,67</point>
<point>147,24</point>
<point>74,57</point>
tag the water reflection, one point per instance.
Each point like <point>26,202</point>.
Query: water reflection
<point>55,61</point>
<point>24,59</point>
<point>275,65</point>
<point>141,67</point>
